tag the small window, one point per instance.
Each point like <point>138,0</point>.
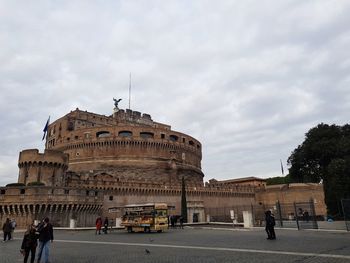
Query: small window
<point>23,191</point>
<point>76,137</point>
<point>68,139</point>
<point>2,191</point>
<point>191,143</point>
<point>162,135</point>
<point>66,191</point>
<point>173,138</point>
<point>146,135</point>
<point>70,126</point>
<point>125,133</point>
<point>87,192</point>
<point>183,140</point>
<point>96,193</point>
<point>111,198</point>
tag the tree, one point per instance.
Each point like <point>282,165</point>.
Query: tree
<point>183,201</point>
<point>324,156</point>
<point>278,180</point>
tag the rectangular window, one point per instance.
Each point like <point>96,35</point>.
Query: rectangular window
<point>162,135</point>
<point>111,198</point>
<point>23,191</point>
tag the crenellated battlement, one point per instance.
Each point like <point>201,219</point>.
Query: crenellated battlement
<point>47,168</point>
<point>128,142</point>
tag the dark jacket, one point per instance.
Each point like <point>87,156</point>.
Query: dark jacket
<point>30,240</point>
<point>45,233</point>
<point>7,227</point>
<point>270,220</point>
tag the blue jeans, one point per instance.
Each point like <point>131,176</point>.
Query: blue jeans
<point>44,250</point>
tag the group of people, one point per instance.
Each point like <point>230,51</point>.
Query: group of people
<point>99,225</point>
<point>8,228</point>
<point>172,220</point>
<point>42,232</point>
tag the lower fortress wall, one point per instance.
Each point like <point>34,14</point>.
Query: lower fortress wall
<point>60,204</point>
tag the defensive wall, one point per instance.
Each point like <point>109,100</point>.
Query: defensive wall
<point>293,193</point>
<point>61,204</point>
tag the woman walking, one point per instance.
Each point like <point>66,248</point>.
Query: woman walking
<point>6,228</point>
<point>29,243</point>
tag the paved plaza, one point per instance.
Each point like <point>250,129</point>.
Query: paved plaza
<point>193,245</point>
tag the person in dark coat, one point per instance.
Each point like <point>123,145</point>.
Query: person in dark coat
<point>29,243</point>
<point>182,222</point>
<point>45,236</point>
<point>105,225</point>
<point>270,224</point>
<point>6,228</point>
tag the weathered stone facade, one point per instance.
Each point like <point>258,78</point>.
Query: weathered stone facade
<point>94,162</point>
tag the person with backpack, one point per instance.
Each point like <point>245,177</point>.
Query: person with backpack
<point>270,224</point>
<point>29,243</point>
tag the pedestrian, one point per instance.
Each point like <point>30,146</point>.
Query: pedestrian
<point>270,224</point>
<point>29,243</point>
<point>105,224</point>
<point>6,228</point>
<point>13,226</point>
<point>45,237</point>
<point>182,222</point>
<point>172,219</point>
<point>98,225</point>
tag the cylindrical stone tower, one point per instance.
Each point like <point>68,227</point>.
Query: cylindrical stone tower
<point>48,167</point>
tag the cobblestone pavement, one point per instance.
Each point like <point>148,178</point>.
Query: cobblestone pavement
<point>195,245</point>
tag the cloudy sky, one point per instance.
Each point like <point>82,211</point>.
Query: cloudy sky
<point>246,78</point>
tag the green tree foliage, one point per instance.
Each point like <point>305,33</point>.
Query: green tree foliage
<point>278,180</point>
<point>324,156</point>
<point>183,201</point>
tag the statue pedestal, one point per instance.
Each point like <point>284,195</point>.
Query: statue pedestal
<point>115,110</point>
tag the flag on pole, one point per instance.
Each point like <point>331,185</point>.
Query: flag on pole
<point>282,167</point>
<point>46,128</point>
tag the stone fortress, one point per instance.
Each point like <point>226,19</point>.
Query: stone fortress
<point>93,163</point>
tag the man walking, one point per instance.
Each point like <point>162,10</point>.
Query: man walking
<point>270,224</point>
<point>45,237</point>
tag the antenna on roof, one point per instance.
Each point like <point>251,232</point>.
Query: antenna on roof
<point>129,89</point>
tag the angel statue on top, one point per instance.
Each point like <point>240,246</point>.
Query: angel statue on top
<point>116,103</point>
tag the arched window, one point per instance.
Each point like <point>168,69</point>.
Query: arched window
<point>146,135</point>
<point>102,134</point>
<point>125,133</point>
<point>173,138</point>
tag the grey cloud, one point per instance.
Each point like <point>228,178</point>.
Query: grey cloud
<point>247,79</point>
